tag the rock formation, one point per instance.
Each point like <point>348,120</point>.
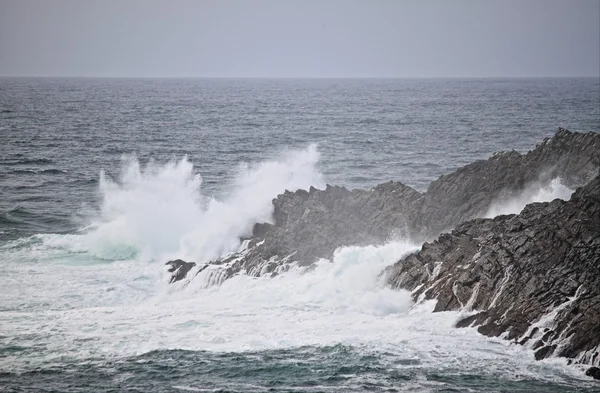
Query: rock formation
<point>308,225</point>
<point>532,277</point>
<point>470,190</point>
<point>179,269</point>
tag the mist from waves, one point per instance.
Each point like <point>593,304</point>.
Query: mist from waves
<point>533,193</point>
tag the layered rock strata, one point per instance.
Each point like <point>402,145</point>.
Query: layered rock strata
<point>533,277</point>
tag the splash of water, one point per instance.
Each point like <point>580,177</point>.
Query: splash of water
<point>536,193</point>
<point>159,212</point>
<point>250,201</point>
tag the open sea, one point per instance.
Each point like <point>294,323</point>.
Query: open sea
<point>104,180</point>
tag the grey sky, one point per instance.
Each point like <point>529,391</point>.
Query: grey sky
<point>307,38</point>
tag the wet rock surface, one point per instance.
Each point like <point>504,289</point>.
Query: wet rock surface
<point>179,269</point>
<point>532,277</point>
<point>593,372</point>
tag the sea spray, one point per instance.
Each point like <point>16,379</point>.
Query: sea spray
<point>534,193</point>
<point>351,282</point>
<point>249,202</point>
<point>158,212</point>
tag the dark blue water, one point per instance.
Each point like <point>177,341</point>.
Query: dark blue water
<point>64,295</point>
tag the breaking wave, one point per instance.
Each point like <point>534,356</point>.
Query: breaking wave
<point>158,212</point>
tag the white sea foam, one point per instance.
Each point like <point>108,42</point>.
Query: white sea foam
<point>111,310</point>
<point>535,193</point>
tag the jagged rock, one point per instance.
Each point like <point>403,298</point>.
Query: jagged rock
<point>308,225</point>
<point>179,269</point>
<point>470,190</point>
<point>532,277</point>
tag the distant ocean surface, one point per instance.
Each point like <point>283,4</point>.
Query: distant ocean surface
<point>103,180</point>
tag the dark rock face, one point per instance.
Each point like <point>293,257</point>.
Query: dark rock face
<point>593,372</point>
<point>308,225</point>
<point>469,191</point>
<point>179,269</point>
<point>532,277</point>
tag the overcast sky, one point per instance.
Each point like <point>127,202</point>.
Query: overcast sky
<point>305,38</point>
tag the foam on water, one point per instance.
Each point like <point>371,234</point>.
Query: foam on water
<point>110,311</point>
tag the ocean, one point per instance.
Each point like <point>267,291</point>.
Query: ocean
<point>104,180</point>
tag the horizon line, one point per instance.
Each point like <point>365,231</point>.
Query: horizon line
<point>294,77</point>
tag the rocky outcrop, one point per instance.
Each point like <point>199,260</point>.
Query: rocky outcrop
<point>308,225</point>
<point>532,277</point>
<point>179,269</point>
<point>470,190</point>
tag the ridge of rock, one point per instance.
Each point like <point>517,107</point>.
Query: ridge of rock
<point>309,225</point>
<point>533,277</point>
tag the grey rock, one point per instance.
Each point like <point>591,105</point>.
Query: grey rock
<point>309,225</point>
<point>533,277</point>
<point>179,269</point>
<point>470,190</point>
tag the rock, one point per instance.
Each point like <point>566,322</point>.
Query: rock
<point>179,269</point>
<point>309,225</point>
<point>593,372</point>
<point>469,191</point>
<point>532,277</point>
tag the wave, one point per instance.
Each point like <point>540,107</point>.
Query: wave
<point>107,313</point>
<point>36,172</point>
<point>16,214</point>
<point>160,211</point>
<point>94,296</point>
<point>53,171</point>
<point>20,220</point>
<point>28,161</point>
<point>300,307</point>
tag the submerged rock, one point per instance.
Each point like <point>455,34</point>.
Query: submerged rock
<point>593,372</point>
<point>532,277</point>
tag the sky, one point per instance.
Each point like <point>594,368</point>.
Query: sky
<point>293,38</point>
